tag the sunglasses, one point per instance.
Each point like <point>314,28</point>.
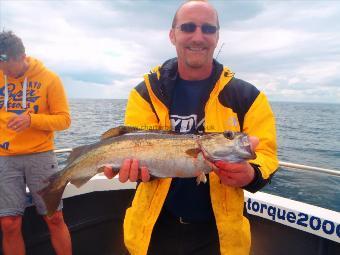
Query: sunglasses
<point>191,27</point>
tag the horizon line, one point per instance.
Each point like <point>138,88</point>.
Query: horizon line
<point>274,101</point>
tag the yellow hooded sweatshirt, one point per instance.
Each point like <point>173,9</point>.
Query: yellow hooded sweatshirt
<point>38,92</point>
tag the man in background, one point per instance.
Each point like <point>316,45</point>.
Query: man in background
<point>33,105</point>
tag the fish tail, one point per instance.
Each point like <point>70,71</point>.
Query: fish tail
<point>52,195</point>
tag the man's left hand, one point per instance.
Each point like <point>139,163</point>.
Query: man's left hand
<point>20,122</point>
<point>237,174</point>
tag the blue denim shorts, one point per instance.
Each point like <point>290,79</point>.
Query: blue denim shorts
<point>18,171</point>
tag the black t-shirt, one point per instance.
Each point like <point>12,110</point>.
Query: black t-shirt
<point>186,199</point>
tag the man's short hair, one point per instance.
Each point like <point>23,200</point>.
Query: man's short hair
<point>174,20</point>
<point>11,46</point>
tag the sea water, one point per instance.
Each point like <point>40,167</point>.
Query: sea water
<point>307,133</point>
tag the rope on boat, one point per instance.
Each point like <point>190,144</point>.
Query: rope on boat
<point>281,163</point>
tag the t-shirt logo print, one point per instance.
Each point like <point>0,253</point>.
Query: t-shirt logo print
<point>185,124</point>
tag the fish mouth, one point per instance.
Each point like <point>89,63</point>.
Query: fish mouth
<point>236,156</point>
<point>248,150</point>
<point>242,151</point>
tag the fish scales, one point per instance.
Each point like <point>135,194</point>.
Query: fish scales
<point>164,154</point>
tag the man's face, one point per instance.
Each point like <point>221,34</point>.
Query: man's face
<point>12,67</point>
<point>195,49</point>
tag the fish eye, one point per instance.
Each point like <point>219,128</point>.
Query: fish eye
<point>229,134</point>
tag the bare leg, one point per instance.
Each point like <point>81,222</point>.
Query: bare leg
<point>12,242</point>
<point>60,235</point>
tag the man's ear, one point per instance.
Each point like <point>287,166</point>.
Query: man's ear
<point>172,36</point>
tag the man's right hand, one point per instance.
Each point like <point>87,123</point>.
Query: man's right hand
<point>129,170</point>
<point>19,123</point>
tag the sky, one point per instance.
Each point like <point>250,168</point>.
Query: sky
<point>288,49</point>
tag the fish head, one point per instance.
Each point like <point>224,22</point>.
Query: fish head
<point>227,146</point>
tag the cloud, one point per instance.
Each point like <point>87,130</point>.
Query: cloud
<point>118,89</point>
<point>101,49</point>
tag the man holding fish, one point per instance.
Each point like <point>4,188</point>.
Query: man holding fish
<point>189,94</point>
<point>33,105</point>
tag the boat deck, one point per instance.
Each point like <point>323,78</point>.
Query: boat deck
<point>95,221</point>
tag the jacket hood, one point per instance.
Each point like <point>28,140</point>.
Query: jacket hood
<point>35,68</point>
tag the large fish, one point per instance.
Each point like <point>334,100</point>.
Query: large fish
<point>166,154</point>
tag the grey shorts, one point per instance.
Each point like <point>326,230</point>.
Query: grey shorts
<point>18,171</point>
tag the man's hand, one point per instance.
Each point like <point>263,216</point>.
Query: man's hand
<point>19,123</point>
<point>237,174</point>
<point>129,170</point>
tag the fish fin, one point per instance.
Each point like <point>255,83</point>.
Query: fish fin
<point>101,169</point>
<point>51,195</point>
<point>80,181</point>
<point>193,152</point>
<point>117,131</point>
<point>201,178</point>
<point>76,152</point>
<point>121,130</point>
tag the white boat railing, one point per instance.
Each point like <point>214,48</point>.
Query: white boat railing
<point>310,168</point>
<point>288,165</point>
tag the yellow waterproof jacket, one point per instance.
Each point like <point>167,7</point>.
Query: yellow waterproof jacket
<point>44,100</point>
<point>233,105</point>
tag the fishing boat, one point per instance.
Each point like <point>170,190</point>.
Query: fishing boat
<point>94,214</point>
